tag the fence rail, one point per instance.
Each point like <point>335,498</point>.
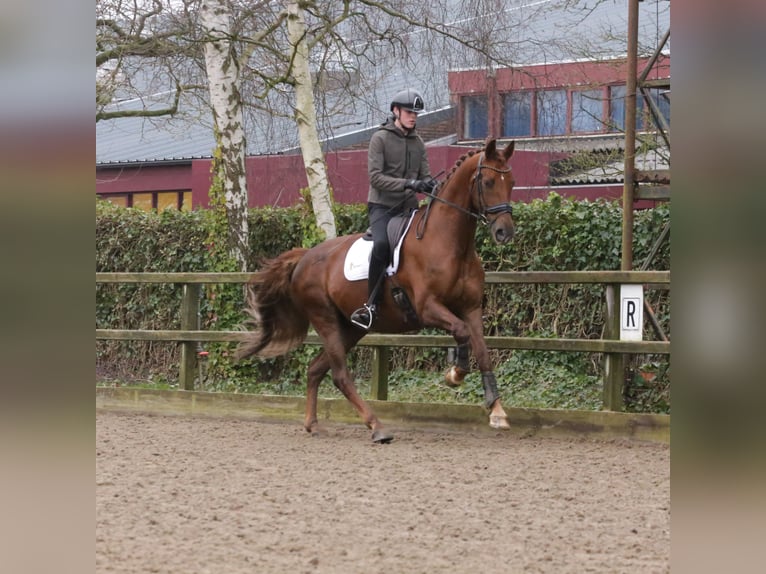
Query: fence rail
<point>612,348</point>
<point>659,278</point>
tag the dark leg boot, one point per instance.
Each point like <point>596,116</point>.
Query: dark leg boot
<point>365,315</point>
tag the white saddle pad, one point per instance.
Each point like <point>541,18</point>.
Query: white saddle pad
<point>357,264</point>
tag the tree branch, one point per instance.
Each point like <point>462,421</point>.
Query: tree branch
<point>172,110</point>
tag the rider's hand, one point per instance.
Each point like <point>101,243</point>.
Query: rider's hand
<point>421,185</point>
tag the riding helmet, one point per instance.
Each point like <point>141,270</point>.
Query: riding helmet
<point>409,100</point>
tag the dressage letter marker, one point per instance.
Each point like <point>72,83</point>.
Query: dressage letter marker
<point>631,312</point>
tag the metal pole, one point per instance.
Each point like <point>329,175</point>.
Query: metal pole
<point>615,363</point>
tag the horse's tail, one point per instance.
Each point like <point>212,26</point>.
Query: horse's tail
<point>277,325</point>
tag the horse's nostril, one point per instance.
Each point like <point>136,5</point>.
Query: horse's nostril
<point>503,236</point>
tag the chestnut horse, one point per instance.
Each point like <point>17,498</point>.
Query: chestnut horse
<point>439,272</point>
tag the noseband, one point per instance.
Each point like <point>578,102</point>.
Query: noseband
<point>500,207</point>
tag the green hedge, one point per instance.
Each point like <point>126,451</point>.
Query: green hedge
<point>552,234</point>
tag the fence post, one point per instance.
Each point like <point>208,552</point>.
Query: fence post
<point>614,363</point>
<point>379,387</point>
<point>189,317</point>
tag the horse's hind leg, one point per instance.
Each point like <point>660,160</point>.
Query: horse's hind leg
<point>316,372</point>
<point>333,356</point>
<point>337,343</point>
<point>345,384</point>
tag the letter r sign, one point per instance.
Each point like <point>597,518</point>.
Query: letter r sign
<point>631,312</point>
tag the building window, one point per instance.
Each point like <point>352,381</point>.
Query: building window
<point>475,117</point>
<point>143,201</point>
<point>169,200</point>
<point>643,116</point>
<point>662,104</point>
<point>121,200</point>
<point>517,114</point>
<point>159,200</point>
<point>617,108</point>
<point>551,112</point>
<point>587,111</point>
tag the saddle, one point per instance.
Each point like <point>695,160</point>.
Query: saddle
<point>395,231</point>
<point>357,262</point>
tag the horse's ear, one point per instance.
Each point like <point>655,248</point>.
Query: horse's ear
<point>508,151</point>
<point>489,147</point>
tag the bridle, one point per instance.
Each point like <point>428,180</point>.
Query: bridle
<point>482,216</point>
<point>500,207</point>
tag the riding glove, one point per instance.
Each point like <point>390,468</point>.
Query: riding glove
<point>421,185</point>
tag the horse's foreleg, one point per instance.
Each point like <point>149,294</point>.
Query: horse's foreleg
<point>435,314</point>
<point>471,331</point>
<point>497,416</point>
<point>455,375</point>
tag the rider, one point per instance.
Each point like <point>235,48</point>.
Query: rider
<point>396,163</point>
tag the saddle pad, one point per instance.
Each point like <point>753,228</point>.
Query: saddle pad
<point>357,263</point>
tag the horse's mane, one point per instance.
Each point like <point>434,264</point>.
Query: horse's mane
<point>422,223</point>
<point>458,163</point>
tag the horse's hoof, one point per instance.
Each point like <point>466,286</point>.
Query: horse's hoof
<point>454,377</point>
<point>499,422</point>
<point>316,431</point>
<point>382,437</point>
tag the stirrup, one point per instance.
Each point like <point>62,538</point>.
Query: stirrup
<point>363,316</point>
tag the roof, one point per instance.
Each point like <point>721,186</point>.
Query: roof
<point>525,31</point>
<point>605,166</point>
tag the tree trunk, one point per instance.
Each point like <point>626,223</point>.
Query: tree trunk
<point>223,79</point>
<point>305,117</point>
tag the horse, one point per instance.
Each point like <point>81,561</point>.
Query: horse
<point>439,273</point>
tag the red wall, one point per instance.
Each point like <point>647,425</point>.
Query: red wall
<point>277,180</point>
<point>569,74</point>
<point>130,178</point>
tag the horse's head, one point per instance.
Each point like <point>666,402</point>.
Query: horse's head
<point>492,185</point>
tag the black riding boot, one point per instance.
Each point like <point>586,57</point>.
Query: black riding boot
<point>365,315</point>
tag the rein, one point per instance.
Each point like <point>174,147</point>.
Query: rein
<point>499,208</point>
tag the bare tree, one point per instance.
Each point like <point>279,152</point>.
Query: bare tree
<point>222,66</point>
<point>141,47</point>
<point>305,117</point>
<point>291,71</point>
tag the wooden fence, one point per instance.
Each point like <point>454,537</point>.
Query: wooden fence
<point>613,349</point>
